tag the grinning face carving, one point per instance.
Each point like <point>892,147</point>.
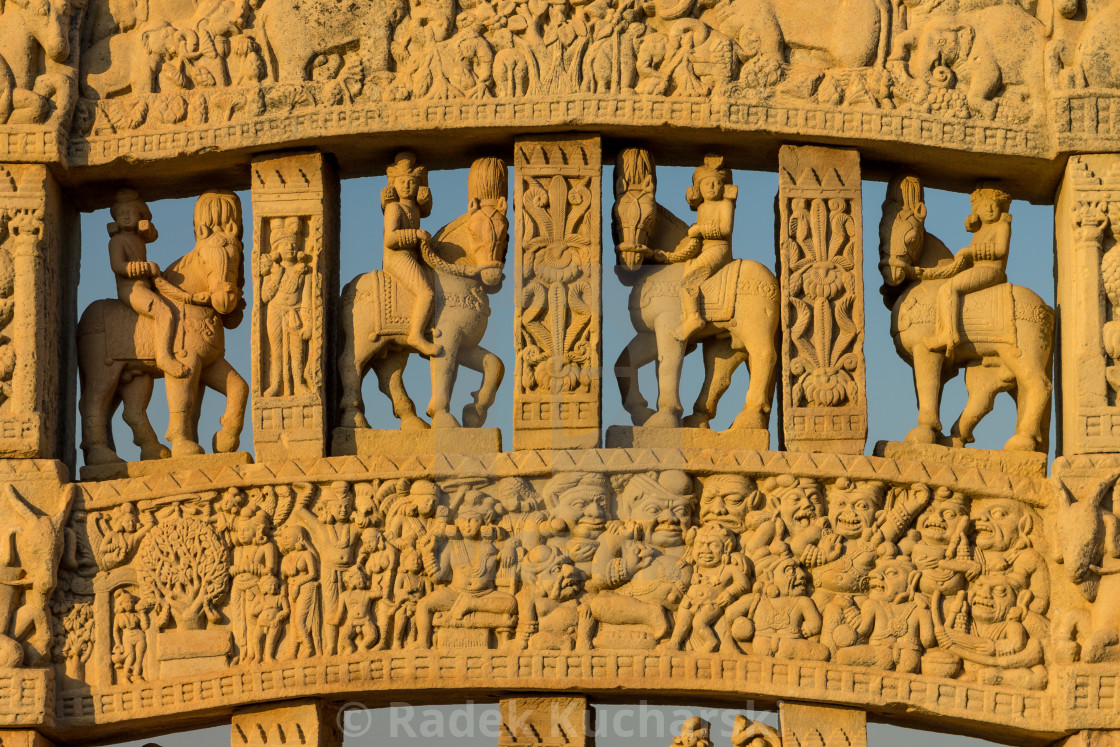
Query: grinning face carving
<point>852,508</point>
<point>997,524</point>
<point>991,597</point>
<point>943,516</point>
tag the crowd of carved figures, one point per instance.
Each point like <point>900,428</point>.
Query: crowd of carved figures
<point>160,64</point>
<point>910,578</point>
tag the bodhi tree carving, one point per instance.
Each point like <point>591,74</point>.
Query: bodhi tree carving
<point>184,573</point>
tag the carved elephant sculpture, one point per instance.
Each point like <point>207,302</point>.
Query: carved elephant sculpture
<point>33,34</point>
<point>819,33</point>
<point>986,51</point>
<point>1096,63</point>
<point>296,32</point>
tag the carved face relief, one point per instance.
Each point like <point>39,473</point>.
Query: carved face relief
<point>996,524</point>
<point>583,509</point>
<point>558,580</point>
<point>797,508</point>
<point>725,502</point>
<point>791,578</point>
<point>851,511</point>
<point>942,517</point>
<point>711,189</point>
<point>665,514</point>
<point>991,598</point>
<point>888,581</point>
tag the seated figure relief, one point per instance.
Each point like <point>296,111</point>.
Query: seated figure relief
<point>950,312</point>
<point>899,578</point>
<point>687,290</point>
<point>431,298</point>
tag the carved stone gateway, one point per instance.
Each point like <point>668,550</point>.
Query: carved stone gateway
<point>933,584</point>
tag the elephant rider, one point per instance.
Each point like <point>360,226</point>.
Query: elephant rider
<point>405,201</point>
<point>130,233</point>
<point>708,246</point>
<point>981,264</point>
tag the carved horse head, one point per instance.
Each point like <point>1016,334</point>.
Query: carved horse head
<point>214,267</point>
<point>487,225</point>
<point>902,230</point>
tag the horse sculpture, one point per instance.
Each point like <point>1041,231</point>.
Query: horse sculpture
<point>738,305</point>
<point>1006,341</point>
<point>28,94</point>
<point>466,257</point>
<point>116,356</point>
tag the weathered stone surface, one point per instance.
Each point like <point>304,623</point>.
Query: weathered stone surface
<point>1029,463</point>
<point>822,725</point>
<point>823,377</point>
<point>546,721</point>
<point>1087,270</point>
<point>295,277</point>
<point>372,442</point>
<point>38,292</point>
<point>306,723</point>
<point>624,437</point>
<point>558,388</point>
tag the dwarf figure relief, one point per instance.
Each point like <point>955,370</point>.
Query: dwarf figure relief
<point>547,609</point>
<point>780,618</point>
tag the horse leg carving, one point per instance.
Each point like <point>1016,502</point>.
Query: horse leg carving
<point>927,382</point>
<point>181,393</point>
<point>445,369</point>
<point>493,370</point>
<point>670,359</point>
<point>390,380</point>
<point>221,377</point>
<point>639,352</point>
<point>762,362</point>
<point>1032,395</point>
<point>720,362</point>
<point>983,384</point>
<point>352,365</point>
<point>136,395</point>
<point>96,406</point>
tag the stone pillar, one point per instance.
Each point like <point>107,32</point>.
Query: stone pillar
<point>308,723</point>
<point>295,284</point>
<point>1086,223</point>
<point>39,259</point>
<point>820,258</point>
<point>825,726</point>
<point>546,722</point>
<point>557,400</point>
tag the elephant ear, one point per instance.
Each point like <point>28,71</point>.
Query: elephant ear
<point>967,36</point>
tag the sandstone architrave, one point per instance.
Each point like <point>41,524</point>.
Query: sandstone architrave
<point>295,280</point>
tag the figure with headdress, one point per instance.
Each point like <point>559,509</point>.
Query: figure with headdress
<point>981,264</point>
<point>547,605</point>
<point>712,196</point>
<point>404,202</point>
<point>130,233</point>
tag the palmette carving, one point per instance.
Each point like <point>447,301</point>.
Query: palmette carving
<point>820,245</point>
<point>558,314</point>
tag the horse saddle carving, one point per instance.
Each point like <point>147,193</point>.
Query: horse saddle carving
<point>393,305</point>
<point>987,315</point>
<point>717,293</point>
